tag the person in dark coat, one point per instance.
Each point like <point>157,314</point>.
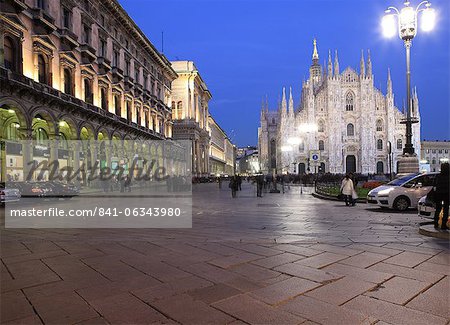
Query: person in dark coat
<point>442,196</point>
<point>233,186</point>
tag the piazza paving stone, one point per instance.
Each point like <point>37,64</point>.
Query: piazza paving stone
<point>398,290</point>
<point>284,290</point>
<point>392,313</point>
<point>340,291</point>
<point>282,259</point>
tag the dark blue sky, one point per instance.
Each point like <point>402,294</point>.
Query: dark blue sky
<point>245,49</point>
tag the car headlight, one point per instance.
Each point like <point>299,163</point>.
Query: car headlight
<point>384,193</point>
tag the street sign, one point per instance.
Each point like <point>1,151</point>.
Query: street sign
<point>314,156</point>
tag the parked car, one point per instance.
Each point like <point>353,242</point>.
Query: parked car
<point>8,194</point>
<point>426,207</point>
<point>402,193</point>
<point>31,189</point>
<point>63,190</point>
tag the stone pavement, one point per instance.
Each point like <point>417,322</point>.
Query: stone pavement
<point>282,259</point>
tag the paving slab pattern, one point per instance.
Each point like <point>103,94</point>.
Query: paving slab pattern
<point>280,259</point>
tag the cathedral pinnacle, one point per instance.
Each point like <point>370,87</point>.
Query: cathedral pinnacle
<point>291,102</point>
<point>389,83</point>
<point>283,102</point>
<point>336,64</point>
<point>315,53</point>
<point>362,65</point>
<point>330,65</point>
<point>369,64</point>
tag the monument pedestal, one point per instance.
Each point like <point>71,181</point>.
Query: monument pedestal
<point>407,164</point>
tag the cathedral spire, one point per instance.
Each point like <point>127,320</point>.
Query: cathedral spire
<point>362,65</point>
<point>415,106</point>
<point>315,55</point>
<point>291,102</point>
<point>330,65</point>
<point>389,83</point>
<point>369,64</point>
<point>336,64</point>
<point>283,102</point>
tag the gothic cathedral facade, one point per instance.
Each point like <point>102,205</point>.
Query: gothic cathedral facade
<point>345,122</point>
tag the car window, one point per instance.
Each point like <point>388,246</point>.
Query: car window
<point>413,182</point>
<point>428,180</point>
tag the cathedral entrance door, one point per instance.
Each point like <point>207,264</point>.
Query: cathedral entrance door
<point>350,164</point>
<point>301,168</point>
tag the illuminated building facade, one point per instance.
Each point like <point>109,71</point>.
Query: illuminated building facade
<point>79,69</point>
<point>221,150</point>
<point>190,112</point>
<point>342,119</point>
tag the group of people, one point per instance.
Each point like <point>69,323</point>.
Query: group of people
<point>348,189</point>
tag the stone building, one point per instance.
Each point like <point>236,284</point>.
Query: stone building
<point>343,123</point>
<point>78,69</point>
<point>222,150</point>
<point>190,113</point>
<point>434,153</point>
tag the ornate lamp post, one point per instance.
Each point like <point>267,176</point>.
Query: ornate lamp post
<point>407,18</point>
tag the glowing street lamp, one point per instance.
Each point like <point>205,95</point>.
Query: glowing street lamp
<point>405,22</point>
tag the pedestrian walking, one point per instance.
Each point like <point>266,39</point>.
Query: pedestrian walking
<point>239,182</point>
<point>233,186</point>
<point>347,190</point>
<point>442,196</point>
<point>259,185</point>
<point>220,182</point>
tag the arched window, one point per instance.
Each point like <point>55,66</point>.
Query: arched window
<point>104,98</point>
<point>12,132</point>
<point>321,145</point>
<point>399,144</point>
<point>380,144</point>
<point>433,161</point>
<point>67,81</point>
<point>380,167</point>
<point>88,97</point>
<point>379,125</point>
<point>350,130</point>
<point>180,110</point>
<point>349,101</point>
<point>301,147</point>
<point>321,126</point>
<point>63,144</point>
<point>41,135</point>
<point>42,69</point>
<point>117,107</point>
<point>10,55</point>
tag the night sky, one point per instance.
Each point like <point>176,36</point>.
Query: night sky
<point>245,49</point>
